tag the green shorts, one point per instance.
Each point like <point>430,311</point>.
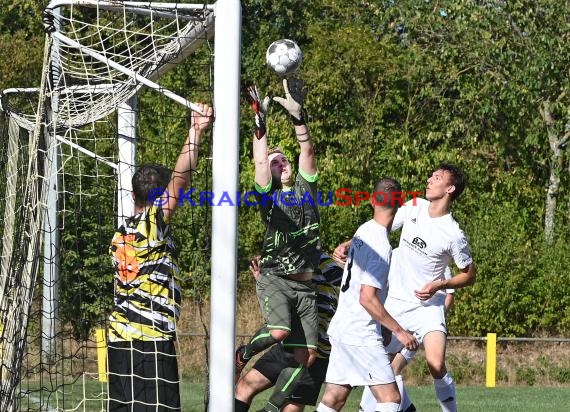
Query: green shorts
<point>292,306</point>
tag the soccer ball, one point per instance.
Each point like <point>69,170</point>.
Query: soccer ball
<point>283,56</point>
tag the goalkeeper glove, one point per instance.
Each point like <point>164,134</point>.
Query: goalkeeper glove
<point>260,109</point>
<point>295,93</point>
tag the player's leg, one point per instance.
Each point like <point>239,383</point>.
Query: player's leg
<point>302,340</point>
<point>155,377</point>
<point>387,397</point>
<point>383,384</point>
<point>286,383</point>
<point>262,339</point>
<point>435,345</point>
<point>400,311</point>
<point>262,376</point>
<point>368,401</point>
<point>293,407</point>
<point>399,362</point>
<point>308,390</point>
<point>247,387</point>
<point>275,304</point>
<point>166,372</point>
<point>120,376</point>
<point>334,398</point>
<point>338,376</point>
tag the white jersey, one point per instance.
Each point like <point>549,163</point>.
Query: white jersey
<point>427,247</point>
<point>438,298</point>
<point>367,264</point>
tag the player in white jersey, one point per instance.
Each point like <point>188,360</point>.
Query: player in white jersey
<point>401,359</point>
<point>358,356</point>
<point>430,240</point>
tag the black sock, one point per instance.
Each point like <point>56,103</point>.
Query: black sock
<point>240,406</point>
<point>286,383</point>
<point>260,341</point>
<point>411,408</point>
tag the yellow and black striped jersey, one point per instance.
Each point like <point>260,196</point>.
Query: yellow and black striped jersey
<point>327,283</point>
<point>147,294</point>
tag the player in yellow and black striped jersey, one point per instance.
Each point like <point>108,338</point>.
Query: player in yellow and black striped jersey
<point>142,363</point>
<point>327,283</point>
<point>266,370</point>
<point>147,294</point>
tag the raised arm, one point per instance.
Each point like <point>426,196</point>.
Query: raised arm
<point>295,93</point>
<point>261,162</point>
<point>188,158</point>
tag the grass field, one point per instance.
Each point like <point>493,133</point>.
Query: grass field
<point>470,399</point>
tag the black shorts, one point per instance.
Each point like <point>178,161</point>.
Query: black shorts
<point>277,358</point>
<point>143,376</point>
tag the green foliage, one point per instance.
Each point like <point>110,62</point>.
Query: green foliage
<point>560,374</point>
<point>88,222</point>
<point>394,88</point>
<point>464,370</point>
<point>22,16</point>
<point>526,376</point>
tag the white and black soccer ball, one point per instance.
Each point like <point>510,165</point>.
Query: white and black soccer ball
<point>283,57</point>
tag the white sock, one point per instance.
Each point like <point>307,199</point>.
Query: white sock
<point>324,408</point>
<point>368,401</point>
<point>405,399</point>
<point>387,407</point>
<point>445,391</point>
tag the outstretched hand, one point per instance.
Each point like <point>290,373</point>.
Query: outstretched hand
<point>260,109</point>
<point>254,266</point>
<point>295,94</point>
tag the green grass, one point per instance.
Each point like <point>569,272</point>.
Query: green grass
<point>470,398</point>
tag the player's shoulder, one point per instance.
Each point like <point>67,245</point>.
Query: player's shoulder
<point>454,226</point>
<point>416,201</point>
<point>412,208</point>
<point>371,237</point>
<point>366,227</point>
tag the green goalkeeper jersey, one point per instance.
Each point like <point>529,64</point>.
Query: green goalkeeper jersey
<point>291,244</point>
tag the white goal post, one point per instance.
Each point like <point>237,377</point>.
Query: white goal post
<point>85,80</point>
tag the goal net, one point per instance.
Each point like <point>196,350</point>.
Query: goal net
<point>119,81</point>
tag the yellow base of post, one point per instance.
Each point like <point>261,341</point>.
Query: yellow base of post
<point>491,360</point>
<point>101,341</point>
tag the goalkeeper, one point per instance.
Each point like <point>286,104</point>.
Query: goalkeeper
<point>291,246</point>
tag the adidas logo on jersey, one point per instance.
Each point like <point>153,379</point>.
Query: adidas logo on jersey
<point>413,220</point>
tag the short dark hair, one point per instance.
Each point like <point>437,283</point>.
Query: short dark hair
<point>387,192</point>
<point>458,178</point>
<point>147,178</point>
